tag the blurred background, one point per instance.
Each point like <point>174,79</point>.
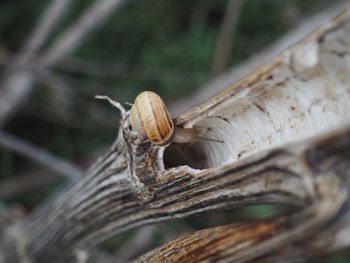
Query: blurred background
<point>56,55</point>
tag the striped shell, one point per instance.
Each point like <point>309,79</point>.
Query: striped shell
<point>150,117</point>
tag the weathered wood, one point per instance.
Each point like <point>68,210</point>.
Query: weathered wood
<point>301,95</point>
<point>93,210</point>
<point>319,229</point>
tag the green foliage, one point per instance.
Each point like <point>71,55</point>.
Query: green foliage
<point>6,164</point>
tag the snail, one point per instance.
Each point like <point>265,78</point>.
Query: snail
<point>150,117</point>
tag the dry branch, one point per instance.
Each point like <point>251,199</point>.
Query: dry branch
<point>45,26</point>
<point>137,245</point>
<point>233,75</point>
<point>273,123</point>
<point>17,86</point>
<point>73,36</point>
<point>104,69</point>
<point>118,70</point>
<point>318,229</point>
<point>26,182</point>
<point>225,40</point>
<point>40,156</point>
<point>177,193</point>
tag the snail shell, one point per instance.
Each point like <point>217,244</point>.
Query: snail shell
<point>150,117</point>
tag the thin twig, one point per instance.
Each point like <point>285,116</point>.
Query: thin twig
<point>103,69</point>
<point>45,25</point>
<point>40,156</point>
<point>73,36</point>
<point>26,182</point>
<point>119,70</point>
<point>136,245</point>
<point>224,44</point>
<point>18,85</point>
<point>59,109</point>
<point>60,93</point>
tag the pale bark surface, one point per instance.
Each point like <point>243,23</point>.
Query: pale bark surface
<point>286,134</point>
